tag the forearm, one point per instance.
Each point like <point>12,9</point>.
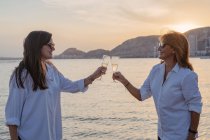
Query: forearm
<point>193,125</point>
<point>133,90</point>
<point>88,80</point>
<point>194,121</point>
<point>100,71</point>
<point>13,132</point>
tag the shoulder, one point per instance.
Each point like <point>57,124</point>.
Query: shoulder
<point>186,73</point>
<point>51,65</point>
<point>24,76</point>
<point>157,67</point>
<point>48,62</point>
<point>52,68</point>
<point>12,78</point>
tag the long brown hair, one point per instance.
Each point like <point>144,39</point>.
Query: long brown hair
<point>181,47</point>
<point>32,60</point>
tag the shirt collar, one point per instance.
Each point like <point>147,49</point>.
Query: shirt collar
<point>176,68</point>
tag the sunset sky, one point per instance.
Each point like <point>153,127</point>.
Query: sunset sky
<point>94,24</point>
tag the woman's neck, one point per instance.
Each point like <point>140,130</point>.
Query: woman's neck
<point>44,67</point>
<point>169,64</point>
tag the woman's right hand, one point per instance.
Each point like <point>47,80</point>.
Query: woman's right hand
<point>119,77</point>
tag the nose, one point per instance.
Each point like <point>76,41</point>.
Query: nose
<point>53,48</point>
<point>159,48</point>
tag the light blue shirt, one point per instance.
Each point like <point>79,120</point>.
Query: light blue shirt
<point>174,99</point>
<point>38,113</point>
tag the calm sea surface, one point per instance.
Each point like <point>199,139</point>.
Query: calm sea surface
<point>107,111</point>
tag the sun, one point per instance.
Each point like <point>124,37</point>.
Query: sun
<point>183,27</point>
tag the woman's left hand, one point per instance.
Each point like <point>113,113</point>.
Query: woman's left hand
<point>100,71</point>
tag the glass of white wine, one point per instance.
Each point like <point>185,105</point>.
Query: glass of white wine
<point>105,62</point>
<point>115,61</point>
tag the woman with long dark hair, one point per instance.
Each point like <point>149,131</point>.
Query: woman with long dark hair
<point>33,110</point>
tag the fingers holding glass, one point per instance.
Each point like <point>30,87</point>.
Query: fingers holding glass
<point>99,72</point>
<point>114,61</point>
<point>102,70</point>
<point>105,62</point>
<point>115,76</point>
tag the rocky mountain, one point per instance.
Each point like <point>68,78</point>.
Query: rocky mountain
<point>96,53</point>
<point>142,46</point>
<point>146,46</point>
<point>71,53</point>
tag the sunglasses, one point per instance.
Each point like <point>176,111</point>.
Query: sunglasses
<point>162,45</point>
<point>51,45</point>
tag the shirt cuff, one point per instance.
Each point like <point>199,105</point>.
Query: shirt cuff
<point>12,121</point>
<point>196,107</point>
<point>143,94</point>
<point>81,84</point>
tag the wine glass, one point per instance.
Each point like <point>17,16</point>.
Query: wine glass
<point>115,61</point>
<point>105,62</point>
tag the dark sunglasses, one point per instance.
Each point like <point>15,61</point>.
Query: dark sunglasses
<point>162,45</point>
<point>51,45</point>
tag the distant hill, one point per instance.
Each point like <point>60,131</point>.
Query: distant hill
<point>71,53</point>
<point>142,46</point>
<point>10,58</point>
<point>146,46</point>
<point>96,53</point>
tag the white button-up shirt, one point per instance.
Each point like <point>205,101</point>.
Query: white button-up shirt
<point>174,99</point>
<point>38,113</point>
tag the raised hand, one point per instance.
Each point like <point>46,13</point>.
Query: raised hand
<point>119,77</point>
<point>100,71</point>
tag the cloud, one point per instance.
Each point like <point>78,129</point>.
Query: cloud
<point>85,23</point>
<point>110,12</point>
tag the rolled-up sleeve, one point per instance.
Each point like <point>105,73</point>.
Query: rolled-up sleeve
<point>145,89</point>
<point>71,86</point>
<point>14,104</point>
<point>191,92</point>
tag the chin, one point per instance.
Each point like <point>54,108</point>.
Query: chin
<point>160,57</point>
<point>50,56</point>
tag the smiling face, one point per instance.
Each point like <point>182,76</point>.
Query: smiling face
<point>46,51</point>
<point>175,48</point>
<point>166,51</point>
